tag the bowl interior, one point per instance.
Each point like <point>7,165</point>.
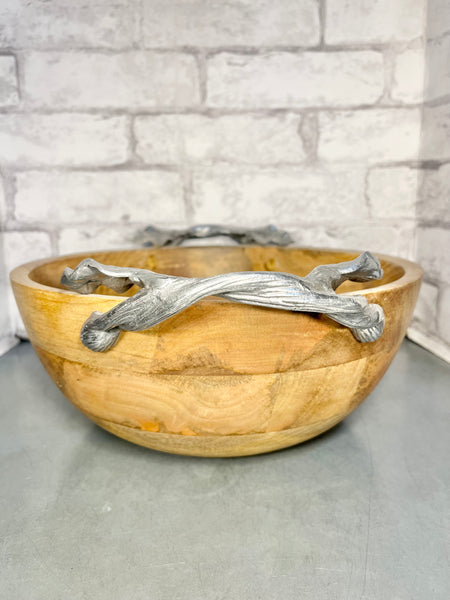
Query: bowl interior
<point>204,261</point>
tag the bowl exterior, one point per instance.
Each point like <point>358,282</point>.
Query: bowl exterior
<point>219,379</point>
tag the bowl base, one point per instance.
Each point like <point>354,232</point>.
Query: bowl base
<point>219,445</point>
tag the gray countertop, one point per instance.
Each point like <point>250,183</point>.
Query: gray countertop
<point>361,512</point>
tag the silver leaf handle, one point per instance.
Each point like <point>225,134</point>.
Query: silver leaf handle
<point>262,236</point>
<point>163,296</point>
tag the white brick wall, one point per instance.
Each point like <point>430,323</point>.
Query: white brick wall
<point>443,315</point>
<point>433,241</point>
<point>2,203</point>
<point>437,84</point>
<point>392,192</point>
<point>434,196</point>
<point>254,139</point>
<point>68,23</point>
<point>175,23</point>
<point>127,80</point>
<point>115,115</point>
<point>435,132</point>
<point>375,135</point>
<point>408,76</point>
<point>283,79</point>
<point>7,328</point>
<point>438,18</point>
<point>73,140</point>
<point>21,247</point>
<point>9,92</point>
<point>97,237</point>
<point>282,196</point>
<point>373,21</point>
<point>426,309</point>
<point>63,198</point>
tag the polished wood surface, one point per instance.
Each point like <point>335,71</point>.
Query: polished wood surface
<point>218,379</point>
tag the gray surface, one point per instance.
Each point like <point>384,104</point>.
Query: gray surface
<point>359,513</point>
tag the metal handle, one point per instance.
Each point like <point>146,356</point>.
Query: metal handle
<point>263,236</point>
<point>163,296</point>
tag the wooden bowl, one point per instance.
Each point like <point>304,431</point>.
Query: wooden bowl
<point>218,379</point>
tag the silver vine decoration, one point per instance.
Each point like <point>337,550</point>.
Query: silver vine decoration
<point>269,235</point>
<point>163,296</point>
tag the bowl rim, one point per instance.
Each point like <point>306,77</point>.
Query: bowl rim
<point>21,274</point>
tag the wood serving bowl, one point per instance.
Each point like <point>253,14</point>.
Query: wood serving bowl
<point>220,378</point>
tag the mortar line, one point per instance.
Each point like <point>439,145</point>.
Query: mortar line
<point>250,50</point>
<point>213,111</point>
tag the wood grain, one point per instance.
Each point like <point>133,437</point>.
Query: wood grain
<point>219,379</point>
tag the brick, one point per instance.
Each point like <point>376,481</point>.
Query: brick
<point>60,23</point>
<point>438,18</point>
<point>433,249</point>
<point>9,90</point>
<point>409,73</point>
<point>281,196</point>
<point>406,240</point>
<point>443,316</point>
<point>313,236</point>
<point>426,307</point>
<point>96,80</point>
<point>395,239</point>
<point>392,238</point>
<point>372,135</point>
<point>172,139</point>
<point>2,206</point>
<point>281,79</point>
<point>434,194</point>
<point>436,133</point>
<point>58,198</point>
<point>374,21</point>
<point>89,238</point>
<point>437,83</point>
<point>6,332</point>
<point>7,340</point>
<point>22,247</point>
<point>392,192</point>
<point>245,23</point>
<point>63,139</point>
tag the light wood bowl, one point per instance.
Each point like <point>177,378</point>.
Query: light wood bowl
<point>218,379</point>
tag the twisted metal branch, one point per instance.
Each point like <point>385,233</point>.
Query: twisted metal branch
<point>263,236</point>
<point>163,296</point>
